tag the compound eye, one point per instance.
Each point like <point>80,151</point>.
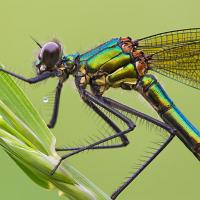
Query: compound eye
<point>50,54</point>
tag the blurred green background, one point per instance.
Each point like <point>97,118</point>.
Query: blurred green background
<point>81,25</point>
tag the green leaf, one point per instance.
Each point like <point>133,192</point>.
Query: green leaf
<point>41,182</point>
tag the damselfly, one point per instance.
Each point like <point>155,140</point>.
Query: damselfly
<point>126,63</point>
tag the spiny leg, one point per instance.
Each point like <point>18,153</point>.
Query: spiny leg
<point>172,131</point>
<point>124,139</point>
<point>56,105</point>
<point>102,104</point>
<point>36,79</point>
<point>127,109</point>
<point>122,107</point>
<point>140,170</point>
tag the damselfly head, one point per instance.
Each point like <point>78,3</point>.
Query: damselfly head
<point>49,56</point>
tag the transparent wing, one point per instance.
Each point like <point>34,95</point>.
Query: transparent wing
<point>181,63</point>
<point>161,41</point>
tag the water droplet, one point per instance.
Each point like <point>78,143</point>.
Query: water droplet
<point>45,100</point>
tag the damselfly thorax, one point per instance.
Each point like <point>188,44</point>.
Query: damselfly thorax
<point>120,64</point>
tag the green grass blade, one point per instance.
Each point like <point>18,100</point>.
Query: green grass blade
<point>28,141</point>
<point>14,98</point>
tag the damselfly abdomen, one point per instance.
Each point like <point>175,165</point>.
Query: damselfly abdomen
<point>127,64</point>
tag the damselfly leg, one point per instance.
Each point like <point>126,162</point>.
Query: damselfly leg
<point>37,79</point>
<point>119,190</point>
<point>112,107</point>
<point>118,106</point>
<point>99,101</point>
<point>162,146</point>
<point>111,124</point>
<point>33,80</point>
<point>54,117</point>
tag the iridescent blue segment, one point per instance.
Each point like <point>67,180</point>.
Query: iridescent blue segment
<point>98,49</point>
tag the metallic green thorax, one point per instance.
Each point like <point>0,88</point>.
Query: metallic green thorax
<point>157,97</point>
<point>110,59</point>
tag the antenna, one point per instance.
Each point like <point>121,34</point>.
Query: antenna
<point>36,41</point>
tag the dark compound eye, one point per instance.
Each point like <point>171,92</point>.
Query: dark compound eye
<point>50,54</point>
